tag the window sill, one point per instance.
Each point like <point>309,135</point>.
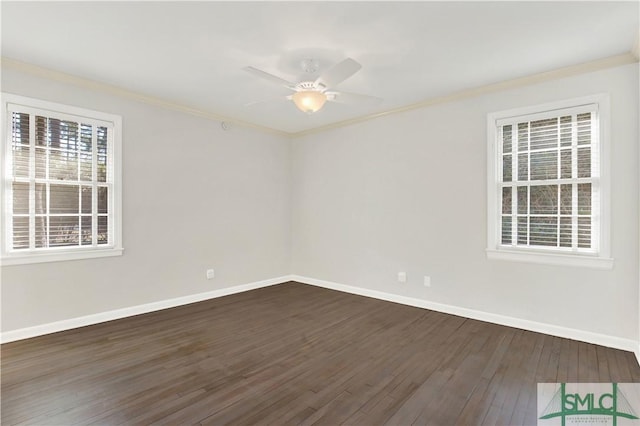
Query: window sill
<point>23,259</point>
<point>551,259</point>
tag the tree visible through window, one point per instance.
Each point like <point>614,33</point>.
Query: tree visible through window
<point>62,181</point>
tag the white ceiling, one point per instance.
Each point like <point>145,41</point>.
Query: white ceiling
<point>192,53</point>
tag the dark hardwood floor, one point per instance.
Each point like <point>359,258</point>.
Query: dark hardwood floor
<point>294,354</point>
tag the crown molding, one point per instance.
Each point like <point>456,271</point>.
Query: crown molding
<point>128,94</point>
<point>635,51</point>
<point>600,64</point>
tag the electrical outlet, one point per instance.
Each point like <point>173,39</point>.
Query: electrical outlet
<point>402,277</point>
<point>211,274</point>
<point>427,281</point>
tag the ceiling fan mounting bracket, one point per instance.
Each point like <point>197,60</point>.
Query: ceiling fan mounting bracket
<point>310,65</point>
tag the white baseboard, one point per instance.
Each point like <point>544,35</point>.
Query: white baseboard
<point>54,327</point>
<point>553,330</point>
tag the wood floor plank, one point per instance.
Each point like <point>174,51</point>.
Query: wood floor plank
<point>527,388</point>
<point>293,354</point>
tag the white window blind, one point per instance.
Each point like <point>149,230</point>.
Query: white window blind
<point>60,196</point>
<point>549,180</point>
<point>547,193</point>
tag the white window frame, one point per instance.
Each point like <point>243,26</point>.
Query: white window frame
<point>601,259</point>
<point>10,256</point>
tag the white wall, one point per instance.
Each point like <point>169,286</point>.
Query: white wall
<point>407,192</point>
<point>401,193</point>
<point>194,197</point>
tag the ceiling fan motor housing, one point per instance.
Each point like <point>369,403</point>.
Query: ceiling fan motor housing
<point>305,86</point>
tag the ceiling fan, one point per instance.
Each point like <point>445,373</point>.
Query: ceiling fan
<point>310,96</point>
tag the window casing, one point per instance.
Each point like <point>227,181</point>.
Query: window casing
<point>61,191</point>
<point>548,183</point>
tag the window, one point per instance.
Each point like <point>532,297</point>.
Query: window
<point>61,183</point>
<point>548,183</point>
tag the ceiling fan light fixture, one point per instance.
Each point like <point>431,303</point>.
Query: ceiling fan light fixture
<point>309,101</point>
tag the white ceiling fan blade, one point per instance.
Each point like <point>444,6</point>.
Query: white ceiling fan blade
<point>339,73</point>
<point>272,78</point>
<point>351,98</point>
<point>264,101</point>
